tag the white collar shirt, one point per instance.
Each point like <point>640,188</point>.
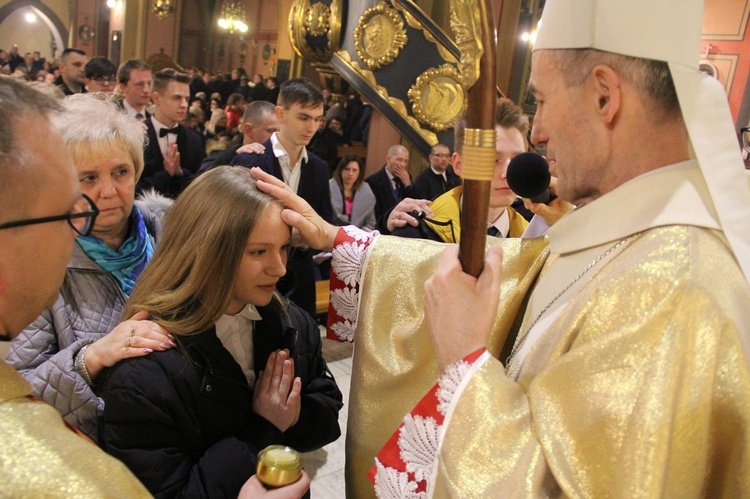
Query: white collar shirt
<point>131,111</point>
<point>169,138</point>
<point>502,224</point>
<point>236,334</point>
<point>291,173</point>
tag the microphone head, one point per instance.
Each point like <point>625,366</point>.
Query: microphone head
<point>528,174</point>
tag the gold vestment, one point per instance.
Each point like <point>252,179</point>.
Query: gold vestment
<point>394,361</point>
<point>41,457</point>
<point>640,387</point>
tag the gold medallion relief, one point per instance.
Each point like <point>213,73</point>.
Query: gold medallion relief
<point>438,97</point>
<point>379,36</point>
<point>317,19</point>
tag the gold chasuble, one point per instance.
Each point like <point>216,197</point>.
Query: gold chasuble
<point>640,387</point>
<point>41,457</point>
<point>394,361</point>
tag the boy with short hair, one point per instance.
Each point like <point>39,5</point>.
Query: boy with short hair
<point>300,109</point>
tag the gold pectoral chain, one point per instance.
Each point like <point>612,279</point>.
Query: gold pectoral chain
<point>520,340</point>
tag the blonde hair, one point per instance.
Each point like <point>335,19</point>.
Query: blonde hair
<point>189,282</point>
<point>92,126</point>
<point>216,115</point>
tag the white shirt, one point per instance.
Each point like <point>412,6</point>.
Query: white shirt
<point>502,224</point>
<point>291,173</point>
<point>236,334</point>
<point>131,111</point>
<point>442,174</point>
<point>169,138</point>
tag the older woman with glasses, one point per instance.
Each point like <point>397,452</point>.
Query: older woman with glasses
<point>62,353</point>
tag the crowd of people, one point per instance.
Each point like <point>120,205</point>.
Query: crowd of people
<point>159,301</point>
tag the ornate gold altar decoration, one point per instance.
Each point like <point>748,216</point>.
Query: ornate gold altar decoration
<point>317,21</point>
<point>314,29</point>
<point>467,28</point>
<point>438,97</point>
<point>395,103</point>
<point>379,36</point>
<point>162,8</point>
<point>414,23</point>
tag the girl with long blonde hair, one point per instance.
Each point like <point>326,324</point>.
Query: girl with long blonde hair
<point>248,370</point>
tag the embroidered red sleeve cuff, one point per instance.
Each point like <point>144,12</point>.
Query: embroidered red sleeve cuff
<point>406,465</point>
<point>349,253</point>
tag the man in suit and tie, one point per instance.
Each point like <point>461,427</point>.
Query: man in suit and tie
<point>134,78</point>
<point>300,110</point>
<point>439,178</point>
<point>391,184</point>
<point>173,153</point>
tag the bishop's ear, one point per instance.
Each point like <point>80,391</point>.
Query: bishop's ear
<point>606,86</point>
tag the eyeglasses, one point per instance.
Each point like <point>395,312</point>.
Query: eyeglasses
<point>442,155</point>
<point>102,80</point>
<point>81,217</point>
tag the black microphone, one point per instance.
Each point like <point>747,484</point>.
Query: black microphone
<point>528,176</point>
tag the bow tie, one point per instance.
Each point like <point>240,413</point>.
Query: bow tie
<point>164,131</point>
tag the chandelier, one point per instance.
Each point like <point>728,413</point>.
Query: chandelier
<point>232,17</point>
<point>162,8</point>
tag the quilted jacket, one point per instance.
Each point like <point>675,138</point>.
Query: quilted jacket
<point>88,307</point>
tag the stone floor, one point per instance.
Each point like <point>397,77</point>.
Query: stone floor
<point>326,465</point>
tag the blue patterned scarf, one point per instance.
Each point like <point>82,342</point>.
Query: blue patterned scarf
<point>127,263</point>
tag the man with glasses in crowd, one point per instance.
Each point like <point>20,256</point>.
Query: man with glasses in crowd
<point>439,178</point>
<point>99,75</point>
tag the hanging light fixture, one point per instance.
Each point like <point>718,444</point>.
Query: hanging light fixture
<point>115,5</point>
<point>162,8</point>
<point>232,17</point>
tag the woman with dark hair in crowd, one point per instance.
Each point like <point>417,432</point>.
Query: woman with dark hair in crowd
<point>352,200</point>
<point>248,369</point>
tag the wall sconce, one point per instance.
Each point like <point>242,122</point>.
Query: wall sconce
<point>162,8</point>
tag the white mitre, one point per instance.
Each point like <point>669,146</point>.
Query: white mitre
<point>670,31</point>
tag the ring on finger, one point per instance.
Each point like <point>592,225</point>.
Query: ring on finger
<point>127,343</point>
<point>132,332</point>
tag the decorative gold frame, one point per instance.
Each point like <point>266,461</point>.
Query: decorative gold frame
<point>316,19</point>
<point>379,36</point>
<point>438,97</point>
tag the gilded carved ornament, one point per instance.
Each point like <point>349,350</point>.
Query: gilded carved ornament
<point>414,23</point>
<point>397,104</point>
<point>466,24</point>
<point>438,97</point>
<point>315,20</point>
<point>379,36</point>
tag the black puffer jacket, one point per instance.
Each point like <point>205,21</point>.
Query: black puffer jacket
<point>182,420</point>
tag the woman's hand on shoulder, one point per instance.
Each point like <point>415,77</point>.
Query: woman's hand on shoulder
<point>276,396</point>
<point>135,337</point>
